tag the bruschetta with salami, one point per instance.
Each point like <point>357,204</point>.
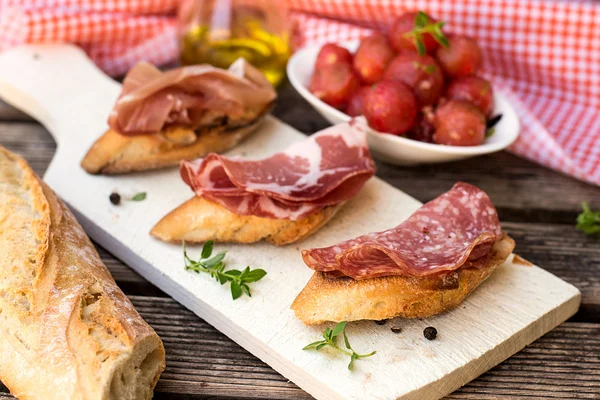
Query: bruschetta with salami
<point>426,265</point>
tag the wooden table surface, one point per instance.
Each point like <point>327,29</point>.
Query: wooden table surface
<point>538,208</point>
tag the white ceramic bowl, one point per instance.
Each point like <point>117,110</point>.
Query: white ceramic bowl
<point>396,149</point>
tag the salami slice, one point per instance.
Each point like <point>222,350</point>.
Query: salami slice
<point>458,228</point>
<point>328,168</point>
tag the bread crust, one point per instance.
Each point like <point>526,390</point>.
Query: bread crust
<point>198,220</point>
<point>114,153</point>
<point>326,299</point>
<point>66,329</point>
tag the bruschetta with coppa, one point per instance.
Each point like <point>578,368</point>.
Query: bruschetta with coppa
<point>281,199</point>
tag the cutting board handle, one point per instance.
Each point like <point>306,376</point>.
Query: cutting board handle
<point>58,85</point>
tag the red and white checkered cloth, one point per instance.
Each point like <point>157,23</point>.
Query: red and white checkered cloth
<point>115,33</point>
<point>544,54</point>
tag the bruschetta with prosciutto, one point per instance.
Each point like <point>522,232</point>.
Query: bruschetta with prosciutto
<point>161,118</point>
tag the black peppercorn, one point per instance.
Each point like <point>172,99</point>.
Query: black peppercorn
<point>115,198</point>
<point>396,329</point>
<point>430,333</point>
<point>381,322</point>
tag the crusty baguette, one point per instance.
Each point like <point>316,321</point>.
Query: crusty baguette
<point>66,330</point>
<point>113,153</point>
<point>199,220</point>
<point>345,299</point>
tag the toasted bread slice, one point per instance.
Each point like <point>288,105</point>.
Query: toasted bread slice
<point>199,220</point>
<point>113,153</point>
<point>345,299</point>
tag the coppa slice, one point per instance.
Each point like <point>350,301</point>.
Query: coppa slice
<point>161,118</point>
<point>284,197</point>
<point>424,266</point>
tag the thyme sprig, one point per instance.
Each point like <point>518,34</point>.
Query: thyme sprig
<point>589,221</point>
<point>238,280</point>
<point>330,339</point>
<point>424,25</point>
<point>141,196</point>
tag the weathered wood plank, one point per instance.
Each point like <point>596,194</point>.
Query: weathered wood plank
<point>9,113</point>
<point>30,140</point>
<point>568,254</point>
<point>566,361</point>
<point>521,190</point>
<point>203,363</point>
<point>128,280</point>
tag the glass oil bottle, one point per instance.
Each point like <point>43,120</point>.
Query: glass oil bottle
<point>220,31</point>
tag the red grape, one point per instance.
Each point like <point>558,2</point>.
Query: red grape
<point>459,123</point>
<point>331,53</point>
<point>390,107</point>
<point>356,103</point>
<point>462,58</point>
<point>371,58</point>
<point>421,73</point>
<point>334,84</point>
<point>473,89</point>
<point>404,24</point>
<point>424,127</point>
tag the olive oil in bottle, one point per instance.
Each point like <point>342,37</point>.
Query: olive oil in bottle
<point>220,31</point>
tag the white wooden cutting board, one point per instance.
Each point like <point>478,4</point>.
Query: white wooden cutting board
<point>65,92</point>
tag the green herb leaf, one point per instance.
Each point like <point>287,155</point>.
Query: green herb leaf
<point>211,262</point>
<point>429,69</point>
<point>223,280</point>
<point>346,341</point>
<point>246,289</point>
<point>490,132</point>
<point>312,345</point>
<point>339,328</point>
<point>420,46</point>
<point>330,336</point>
<point>352,358</point>
<point>439,36</point>
<point>421,20</point>
<point>589,221</point>
<point>423,25</point>
<point>236,290</point>
<point>254,275</point>
<point>207,249</point>
<point>215,267</point>
<point>141,196</point>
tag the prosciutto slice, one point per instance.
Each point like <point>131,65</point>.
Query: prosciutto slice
<point>189,96</point>
<point>328,168</point>
<point>458,228</point>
